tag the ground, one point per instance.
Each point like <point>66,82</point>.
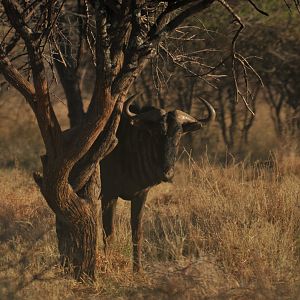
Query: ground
<point>217,232</point>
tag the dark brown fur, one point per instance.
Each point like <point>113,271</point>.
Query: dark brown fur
<point>144,157</point>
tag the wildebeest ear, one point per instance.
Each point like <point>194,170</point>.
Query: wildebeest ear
<point>189,127</point>
<point>190,123</point>
<point>187,122</point>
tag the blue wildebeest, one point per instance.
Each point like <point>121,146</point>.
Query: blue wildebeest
<point>144,156</point>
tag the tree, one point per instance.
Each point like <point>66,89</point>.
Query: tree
<point>122,36</point>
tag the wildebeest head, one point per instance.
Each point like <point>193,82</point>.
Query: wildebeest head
<point>166,129</point>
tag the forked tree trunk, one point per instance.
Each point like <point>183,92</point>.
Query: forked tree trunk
<point>77,227</point>
<point>77,241</point>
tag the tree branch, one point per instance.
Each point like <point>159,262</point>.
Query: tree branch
<point>45,115</point>
<point>156,36</point>
<point>15,78</point>
<point>101,102</point>
<point>257,8</point>
<point>104,144</point>
<point>140,54</point>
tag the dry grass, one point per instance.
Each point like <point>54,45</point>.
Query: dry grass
<point>20,140</point>
<point>218,233</point>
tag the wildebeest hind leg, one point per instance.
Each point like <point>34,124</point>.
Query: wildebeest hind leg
<point>137,206</point>
<point>108,207</point>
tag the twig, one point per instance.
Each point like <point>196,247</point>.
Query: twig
<point>258,9</point>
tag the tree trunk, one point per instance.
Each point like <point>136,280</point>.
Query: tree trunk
<point>77,233</point>
<point>77,246</point>
<point>70,81</point>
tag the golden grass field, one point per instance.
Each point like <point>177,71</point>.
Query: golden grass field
<point>217,232</point>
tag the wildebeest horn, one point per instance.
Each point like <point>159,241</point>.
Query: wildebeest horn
<point>151,115</point>
<point>190,123</point>
<point>127,104</point>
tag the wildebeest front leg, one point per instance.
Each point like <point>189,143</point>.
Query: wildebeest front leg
<point>108,206</point>
<point>137,207</point>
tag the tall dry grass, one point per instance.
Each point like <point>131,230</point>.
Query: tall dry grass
<point>216,233</point>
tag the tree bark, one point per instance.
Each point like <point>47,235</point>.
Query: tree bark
<point>77,238</point>
<point>71,85</point>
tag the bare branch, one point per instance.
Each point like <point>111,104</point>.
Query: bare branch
<point>154,37</point>
<point>15,78</point>
<point>100,104</point>
<point>257,8</point>
<point>233,48</point>
<point>47,120</point>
